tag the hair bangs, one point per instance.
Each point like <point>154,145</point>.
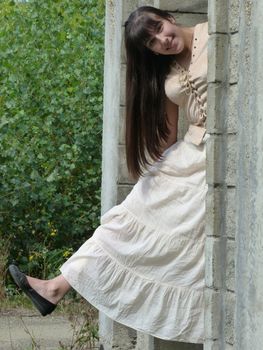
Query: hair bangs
<point>144,30</point>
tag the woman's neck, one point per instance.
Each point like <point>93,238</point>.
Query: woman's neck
<point>184,58</point>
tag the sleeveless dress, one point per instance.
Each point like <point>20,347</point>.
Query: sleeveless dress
<point>144,265</point>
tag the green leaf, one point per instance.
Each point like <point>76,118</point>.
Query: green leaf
<point>51,82</point>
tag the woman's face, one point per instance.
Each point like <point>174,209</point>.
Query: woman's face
<point>168,40</point>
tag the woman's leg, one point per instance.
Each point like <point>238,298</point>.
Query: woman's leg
<point>44,294</point>
<point>53,290</point>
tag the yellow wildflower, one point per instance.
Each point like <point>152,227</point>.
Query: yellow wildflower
<point>66,253</point>
<point>53,232</point>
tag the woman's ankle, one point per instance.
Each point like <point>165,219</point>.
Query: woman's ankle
<point>53,290</point>
<point>58,288</point>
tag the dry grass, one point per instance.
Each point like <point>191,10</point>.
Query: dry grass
<point>4,253</point>
<point>84,322</point>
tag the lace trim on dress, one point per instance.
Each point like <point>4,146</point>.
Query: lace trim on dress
<point>191,89</point>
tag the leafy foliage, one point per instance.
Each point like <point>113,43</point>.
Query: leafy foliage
<point>51,71</point>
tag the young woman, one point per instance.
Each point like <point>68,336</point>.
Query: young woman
<point>144,266</point>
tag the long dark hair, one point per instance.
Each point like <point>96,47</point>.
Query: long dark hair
<point>146,122</point>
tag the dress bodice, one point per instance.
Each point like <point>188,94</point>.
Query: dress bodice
<point>188,88</point>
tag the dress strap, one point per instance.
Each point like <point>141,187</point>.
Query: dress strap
<point>195,134</point>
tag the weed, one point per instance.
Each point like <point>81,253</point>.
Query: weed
<point>84,322</point>
<point>4,253</point>
<point>34,344</point>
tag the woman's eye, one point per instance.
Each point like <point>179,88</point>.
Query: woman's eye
<point>160,27</point>
<point>151,43</point>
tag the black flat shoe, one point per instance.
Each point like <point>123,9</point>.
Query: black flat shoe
<point>44,306</point>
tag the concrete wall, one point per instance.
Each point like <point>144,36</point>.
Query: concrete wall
<point>249,239</point>
<point>249,235</point>
<point>234,255</point>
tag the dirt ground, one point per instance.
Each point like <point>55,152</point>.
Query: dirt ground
<point>26,330</point>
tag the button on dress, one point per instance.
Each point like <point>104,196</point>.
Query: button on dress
<point>144,265</point>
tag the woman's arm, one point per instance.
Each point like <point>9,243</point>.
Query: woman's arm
<point>172,117</point>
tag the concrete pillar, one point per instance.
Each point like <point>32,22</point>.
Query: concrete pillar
<point>249,272</point>
<point>111,115</point>
<point>221,174</point>
<point>115,182</point>
<point>234,277</point>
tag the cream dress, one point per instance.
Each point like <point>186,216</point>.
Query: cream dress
<point>144,266</point>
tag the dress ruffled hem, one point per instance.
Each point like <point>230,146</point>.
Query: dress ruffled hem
<point>151,307</point>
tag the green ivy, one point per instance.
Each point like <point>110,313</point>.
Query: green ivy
<point>51,84</point>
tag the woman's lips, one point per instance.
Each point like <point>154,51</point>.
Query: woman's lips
<point>173,44</point>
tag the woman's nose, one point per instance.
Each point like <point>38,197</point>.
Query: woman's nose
<point>162,39</point>
<point>159,37</point>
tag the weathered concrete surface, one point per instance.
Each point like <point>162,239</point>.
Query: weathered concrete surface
<point>20,329</point>
<point>249,272</point>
